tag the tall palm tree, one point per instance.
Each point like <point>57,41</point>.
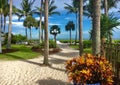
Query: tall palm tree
<point>39,11</point>
<point>96,28</point>
<point>3,3</point>
<point>10,27</point>
<point>80,27</point>
<point>70,27</point>
<point>46,48</point>
<point>25,11</point>
<point>5,13</point>
<point>107,4</point>
<point>54,30</point>
<point>30,22</point>
<point>73,9</point>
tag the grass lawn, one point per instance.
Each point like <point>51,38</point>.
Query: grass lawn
<point>86,50</point>
<point>24,52</point>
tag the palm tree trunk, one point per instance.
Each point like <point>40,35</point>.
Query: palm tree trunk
<point>106,7</point>
<point>0,37</point>
<point>4,23</point>
<point>76,28</point>
<point>70,38</point>
<point>42,37</point>
<point>1,22</point>
<point>55,38</point>
<point>10,27</point>
<point>40,22</point>
<point>30,34</point>
<point>96,28</point>
<point>80,27</point>
<point>26,32</point>
<point>46,49</point>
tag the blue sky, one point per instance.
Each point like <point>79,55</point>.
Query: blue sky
<point>17,27</point>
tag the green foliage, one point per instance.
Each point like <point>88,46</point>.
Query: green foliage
<point>66,41</point>
<point>24,52</point>
<point>70,26</point>
<point>15,38</point>
<point>53,29</point>
<point>30,22</point>
<point>87,44</point>
<point>52,44</point>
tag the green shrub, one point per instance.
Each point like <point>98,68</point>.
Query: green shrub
<point>52,44</point>
<point>87,43</point>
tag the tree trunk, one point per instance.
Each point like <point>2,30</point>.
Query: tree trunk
<point>30,34</point>
<point>55,38</point>
<point>96,28</point>
<point>10,27</point>
<point>76,28</point>
<point>0,37</point>
<point>70,37</point>
<point>80,27</point>
<point>40,27</point>
<point>26,32</point>
<point>1,22</point>
<point>106,7</point>
<point>42,37</point>
<point>4,24</point>
<point>46,49</point>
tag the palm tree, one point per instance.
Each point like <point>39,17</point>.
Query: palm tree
<point>25,11</point>
<point>107,25</point>
<point>39,11</point>
<point>10,27</point>
<point>73,9</point>
<point>96,28</point>
<point>30,22</point>
<point>107,4</point>
<point>5,13</point>
<point>46,48</point>
<point>70,27</point>
<point>54,30</point>
<point>80,27</point>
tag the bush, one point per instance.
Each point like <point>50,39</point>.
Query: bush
<point>15,38</point>
<point>90,69</point>
<point>52,44</point>
<point>87,44</point>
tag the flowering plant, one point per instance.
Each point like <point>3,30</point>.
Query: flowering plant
<point>90,69</point>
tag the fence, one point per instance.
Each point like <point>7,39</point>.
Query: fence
<point>112,53</point>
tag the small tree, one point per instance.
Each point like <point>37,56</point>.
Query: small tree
<point>70,27</point>
<point>54,30</point>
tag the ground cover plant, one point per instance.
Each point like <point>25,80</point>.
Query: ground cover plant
<point>19,52</point>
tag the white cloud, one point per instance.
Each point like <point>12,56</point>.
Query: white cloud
<point>67,18</point>
<point>38,18</point>
<point>50,24</point>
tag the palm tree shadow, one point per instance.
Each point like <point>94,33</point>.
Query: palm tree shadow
<point>25,60</point>
<point>51,81</point>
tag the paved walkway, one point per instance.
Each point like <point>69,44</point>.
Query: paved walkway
<point>30,72</point>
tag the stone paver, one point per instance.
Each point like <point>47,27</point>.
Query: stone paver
<point>30,72</point>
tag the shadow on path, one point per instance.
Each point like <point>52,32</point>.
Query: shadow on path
<point>51,81</point>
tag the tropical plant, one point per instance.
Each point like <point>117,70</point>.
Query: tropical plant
<point>80,27</point>
<point>96,43</point>
<point>70,27</point>
<point>25,11</point>
<point>73,9</point>
<point>30,22</point>
<point>10,27</point>
<point>107,25</point>
<point>89,69</point>
<point>51,10</point>
<point>46,47</point>
<point>54,30</point>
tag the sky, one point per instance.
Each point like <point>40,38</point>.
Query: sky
<point>61,21</point>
